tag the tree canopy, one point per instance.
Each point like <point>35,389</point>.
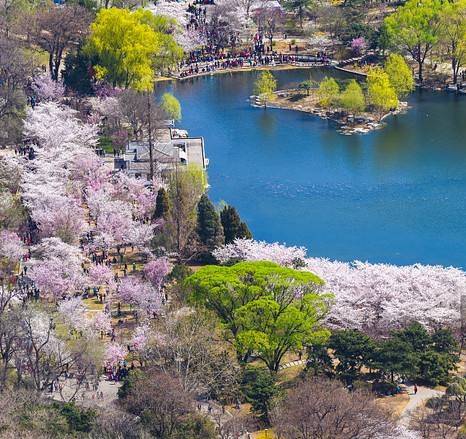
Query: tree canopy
<point>380,92</point>
<point>352,97</point>
<point>452,36</point>
<point>233,227</point>
<point>265,86</point>
<point>399,75</point>
<point>268,309</point>
<point>209,228</point>
<point>171,106</point>
<point>328,92</point>
<point>414,27</point>
<point>131,47</point>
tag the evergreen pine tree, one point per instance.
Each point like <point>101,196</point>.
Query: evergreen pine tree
<point>76,75</point>
<point>243,231</point>
<point>209,227</point>
<point>230,222</point>
<point>233,227</point>
<point>161,204</point>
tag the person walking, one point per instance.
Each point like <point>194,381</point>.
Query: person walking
<point>415,389</point>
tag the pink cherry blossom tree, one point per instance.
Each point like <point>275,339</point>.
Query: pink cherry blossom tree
<point>372,297</point>
<point>57,126</point>
<point>140,337</point>
<point>101,275</point>
<point>73,313</point>
<point>155,271</point>
<point>358,45</point>
<point>114,222</point>
<point>250,250</point>
<point>114,353</point>
<point>56,268</point>
<point>56,278</point>
<point>11,246</point>
<point>54,247</point>
<point>101,322</point>
<point>140,294</point>
<point>62,218</point>
<point>134,191</point>
<point>47,89</point>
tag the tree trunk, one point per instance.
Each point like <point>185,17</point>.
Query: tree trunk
<point>456,69</point>
<point>149,127</point>
<point>51,65</point>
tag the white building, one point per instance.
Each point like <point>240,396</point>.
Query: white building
<point>171,147</point>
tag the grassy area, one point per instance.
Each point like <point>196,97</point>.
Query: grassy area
<point>393,404</point>
<point>93,304</point>
<point>264,434</point>
<point>289,374</point>
<point>106,144</point>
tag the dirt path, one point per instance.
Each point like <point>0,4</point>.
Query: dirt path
<point>415,401</point>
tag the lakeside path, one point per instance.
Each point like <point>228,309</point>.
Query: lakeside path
<point>294,66</point>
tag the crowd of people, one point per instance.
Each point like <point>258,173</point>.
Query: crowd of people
<point>210,60</point>
<point>118,372</point>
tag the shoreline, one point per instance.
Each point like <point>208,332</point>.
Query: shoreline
<point>447,88</point>
<point>347,123</point>
<point>342,127</point>
<point>245,69</point>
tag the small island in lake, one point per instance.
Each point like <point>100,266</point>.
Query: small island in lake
<point>356,106</point>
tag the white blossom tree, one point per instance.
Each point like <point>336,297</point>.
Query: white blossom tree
<point>373,297</point>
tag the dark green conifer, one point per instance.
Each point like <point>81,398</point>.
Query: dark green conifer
<point>161,204</point>
<point>233,227</point>
<point>243,231</point>
<point>209,227</point>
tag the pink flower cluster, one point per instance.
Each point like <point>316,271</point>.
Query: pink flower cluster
<point>358,45</point>
<point>141,294</point>
<point>46,89</point>
<point>101,275</point>
<point>11,246</point>
<point>155,271</point>
<point>376,297</point>
<point>114,354</point>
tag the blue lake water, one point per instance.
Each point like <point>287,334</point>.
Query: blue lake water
<point>395,195</point>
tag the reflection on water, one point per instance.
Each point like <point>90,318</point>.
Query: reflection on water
<point>268,123</point>
<point>395,195</point>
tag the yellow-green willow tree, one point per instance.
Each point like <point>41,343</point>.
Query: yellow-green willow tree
<point>415,28</point>
<point>452,39</point>
<point>131,48</point>
<point>380,93</point>
<point>265,86</point>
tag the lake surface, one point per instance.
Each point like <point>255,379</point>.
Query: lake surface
<point>395,195</point>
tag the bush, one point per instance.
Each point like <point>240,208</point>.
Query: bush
<point>385,388</point>
<point>196,426</point>
<point>129,382</point>
<point>180,272</point>
<point>78,419</point>
<point>258,387</point>
<point>106,144</point>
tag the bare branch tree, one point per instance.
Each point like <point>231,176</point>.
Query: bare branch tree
<point>187,346</point>
<point>323,409</point>
<point>57,30</point>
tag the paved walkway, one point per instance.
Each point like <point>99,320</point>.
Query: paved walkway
<point>292,364</point>
<point>89,398</point>
<point>415,401</point>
